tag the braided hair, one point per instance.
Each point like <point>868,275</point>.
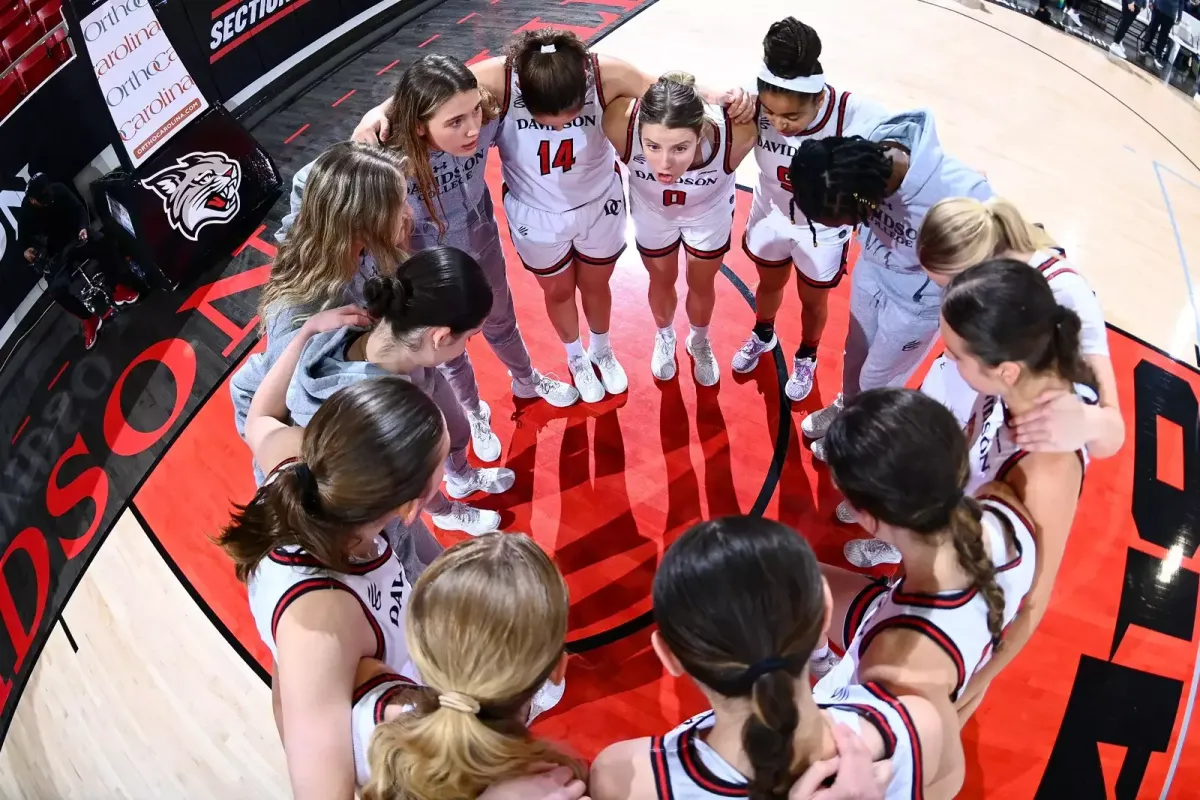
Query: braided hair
<point>839,175</point>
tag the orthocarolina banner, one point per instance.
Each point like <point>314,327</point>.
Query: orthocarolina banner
<point>148,91</point>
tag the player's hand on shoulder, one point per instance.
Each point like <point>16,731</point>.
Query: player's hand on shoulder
<point>558,783</point>
<point>331,319</point>
<point>740,104</point>
<point>1057,424</point>
<point>857,776</point>
<point>373,127</point>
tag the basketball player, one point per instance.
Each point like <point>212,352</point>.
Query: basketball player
<point>486,628</point>
<point>1013,344</point>
<point>886,181</point>
<point>959,232</point>
<point>740,605</point>
<point>564,199</point>
<point>315,548</point>
<point>681,154</point>
<point>425,315</point>
<point>795,103</point>
<point>444,125</point>
<point>902,462</point>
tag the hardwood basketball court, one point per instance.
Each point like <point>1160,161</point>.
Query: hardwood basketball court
<point>154,683</point>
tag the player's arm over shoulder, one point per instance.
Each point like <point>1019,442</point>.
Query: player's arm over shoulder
<point>622,771</point>
<point>908,662</point>
<point>745,136</point>
<point>491,74</point>
<point>617,117</point>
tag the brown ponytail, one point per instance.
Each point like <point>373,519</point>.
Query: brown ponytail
<point>768,735</point>
<point>740,601</point>
<point>1067,355</point>
<point>553,69</point>
<point>370,449</point>
<point>966,531</point>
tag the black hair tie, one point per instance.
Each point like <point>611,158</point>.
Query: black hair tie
<point>310,494</point>
<point>760,668</point>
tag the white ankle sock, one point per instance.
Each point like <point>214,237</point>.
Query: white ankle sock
<point>574,349</point>
<point>598,342</point>
<point>698,332</point>
<point>668,332</point>
<point>820,652</point>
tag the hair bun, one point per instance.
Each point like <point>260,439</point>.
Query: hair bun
<point>387,296</point>
<point>678,76</point>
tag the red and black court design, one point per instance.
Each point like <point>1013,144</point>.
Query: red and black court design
<point>1095,706</point>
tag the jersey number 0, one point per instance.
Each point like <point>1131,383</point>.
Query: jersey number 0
<point>564,157</point>
<point>673,197</point>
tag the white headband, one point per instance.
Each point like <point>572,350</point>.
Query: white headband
<point>549,48</point>
<point>809,84</point>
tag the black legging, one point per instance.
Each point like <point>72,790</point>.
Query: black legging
<point>1160,25</point>
<point>1127,18</point>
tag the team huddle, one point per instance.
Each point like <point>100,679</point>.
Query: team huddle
<point>405,671</point>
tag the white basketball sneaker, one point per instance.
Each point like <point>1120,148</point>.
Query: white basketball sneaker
<point>817,423</point>
<point>547,697</point>
<point>468,519</point>
<point>746,359</point>
<point>662,361</point>
<point>589,386</point>
<point>867,553</point>
<point>612,374</point>
<point>489,480</point>
<point>705,369</point>
<point>555,392</point>
<point>484,442</point>
<point>801,381</point>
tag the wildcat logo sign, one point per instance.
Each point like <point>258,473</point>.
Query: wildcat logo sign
<point>198,189</point>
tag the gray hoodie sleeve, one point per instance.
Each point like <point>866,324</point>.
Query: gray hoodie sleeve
<point>297,196</point>
<point>323,370</point>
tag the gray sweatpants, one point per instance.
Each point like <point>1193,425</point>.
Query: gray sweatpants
<point>437,388</point>
<point>480,237</point>
<point>414,545</point>
<point>893,325</point>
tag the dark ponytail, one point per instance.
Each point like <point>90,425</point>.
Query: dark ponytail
<point>370,449</point>
<point>966,531</point>
<point>554,70</point>
<point>769,733</point>
<point>900,456</point>
<point>741,603</point>
<point>791,49</point>
<point>437,287</point>
<point>1004,310</point>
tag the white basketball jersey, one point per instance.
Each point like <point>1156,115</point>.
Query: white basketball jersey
<point>1072,291</point>
<point>686,768</point>
<point>553,170</point>
<point>841,114</point>
<point>695,194</point>
<point>955,621</point>
<point>370,699</point>
<point>379,585</point>
<point>993,449</point>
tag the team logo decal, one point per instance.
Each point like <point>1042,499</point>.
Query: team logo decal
<point>197,190</point>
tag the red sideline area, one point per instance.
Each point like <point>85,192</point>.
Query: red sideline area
<point>606,488</point>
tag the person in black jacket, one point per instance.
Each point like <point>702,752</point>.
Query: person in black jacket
<point>1164,14</point>
<point>1129,11</point>
<point>52,229</point>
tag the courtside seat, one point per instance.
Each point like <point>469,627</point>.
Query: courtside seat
<point>11,92</point>
<point>21,38</point>
<point>50,15</point>
<point>12,14</point>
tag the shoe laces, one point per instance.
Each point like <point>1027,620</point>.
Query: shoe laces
<point>702,350</point>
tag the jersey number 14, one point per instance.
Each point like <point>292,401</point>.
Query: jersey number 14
<point>564,157</point>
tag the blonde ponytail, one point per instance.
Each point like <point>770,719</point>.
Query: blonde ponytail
<point>680,77</point>
<point>486,626</point>
<point>961,232</point>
